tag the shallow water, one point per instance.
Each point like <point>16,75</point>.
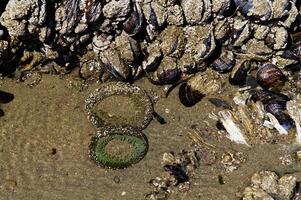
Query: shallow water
<point>45,134</point>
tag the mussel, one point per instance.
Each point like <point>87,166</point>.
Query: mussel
<point>5,97</point>
<point>266,96</point>
<point>197,87</point>
<point>224,63</point>
<point>270,76</point>
<point>188,96</point>
<point>239,73</point>
<point>133,24</point>
<point>167,73</point>
<point>274,103</point>
<point>278,110</point>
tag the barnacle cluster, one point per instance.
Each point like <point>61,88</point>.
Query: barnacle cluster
<point>269,185</point>
<point>127,137</point>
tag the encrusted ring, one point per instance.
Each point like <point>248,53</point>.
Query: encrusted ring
<point>104,146</point>
<point>138,95</point>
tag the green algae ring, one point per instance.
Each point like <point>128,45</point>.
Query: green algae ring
<point>142,107</point>
<point>118,148</point>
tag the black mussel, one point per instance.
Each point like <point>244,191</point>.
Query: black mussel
<point>169,76</point>
<point>133,24</point>
<point>239,73</point>
<point>224,63</point>
<point>253,9</point>
<point>188,96</point>
<point>220,103</point>
<point>177,171</point>
<point>266,96</point>
<point>72,17</point>
<point>296,44</point>
<point>120,72</point>
<point>270,76</point>
<point>277,109</point>
<point>93,10</point>
<point>6,97</point>
<point>167,73</point>
<point>240,33</point>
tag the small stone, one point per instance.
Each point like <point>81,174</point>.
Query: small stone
<point>116,179</point>
<point>286,184</point>
<point>123,193</point>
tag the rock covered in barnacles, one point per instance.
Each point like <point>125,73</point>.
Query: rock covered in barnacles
<point>221,7</point>
<point>168,72</point>
<point>173,41</point>
<point>115,64</point>
<point>117,9</point>
<point>292,16</point>
<point>252,193</point>
<point>222,28</point>
<point>153,57</point>
<point>22,17</point>
<point>200,42</point>
<point>294,109</point>
<point>256,9</point>
<point>129,49</point>
<point>4,50</point>
<point>285,59</point>
<point>261,31</point>
<point>257,48</point>
<point>196,12</point>
<point>175,15</point>
<point>268,185</point>
<point>277,38</point>
<point>263,10</point>
<point>241,31</point>
<point>92,69</point>
<point>155,14</point>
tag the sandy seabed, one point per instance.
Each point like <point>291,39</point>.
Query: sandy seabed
<point>45,135</point>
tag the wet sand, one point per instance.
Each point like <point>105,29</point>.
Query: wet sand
<point>45,134</point>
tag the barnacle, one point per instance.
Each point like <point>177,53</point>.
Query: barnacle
<point>131,147</point>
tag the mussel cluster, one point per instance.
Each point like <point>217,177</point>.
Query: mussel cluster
<point>110,136</point>
<point>169,41</point>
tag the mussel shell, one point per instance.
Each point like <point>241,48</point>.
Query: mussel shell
<point>253,9</point>
<point>278,110</point>
<point>188,96</point>
<point>239,74</point>
<point>177,171</point>
<point>133,24</point>
<point>224,63</point>
<point>6,97</point>
<point>169,76</point>
<point>93,10</point>
<point>270,76</point>
<point>121,73</point>
<point>266,96</point>
<point>275,107</point>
